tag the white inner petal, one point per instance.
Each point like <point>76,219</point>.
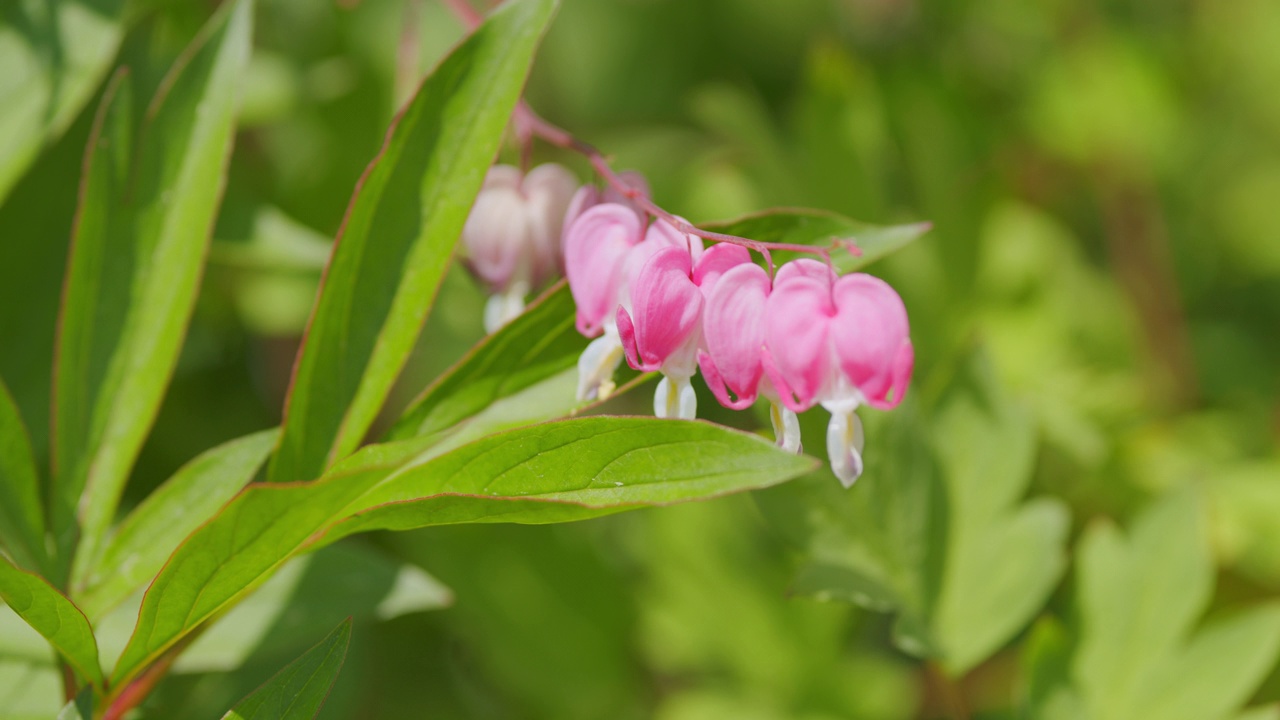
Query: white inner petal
<point>675,398</point>
<point>844,446</point>
<point>786,428</point>
<point>597,365</point>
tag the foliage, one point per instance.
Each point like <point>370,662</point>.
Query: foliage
<point>1093,302</point>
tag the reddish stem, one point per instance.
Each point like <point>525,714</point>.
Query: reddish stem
<point>464,12</point>
<point>529,124</point>
<point>138,690</point>
<point>526,117</point>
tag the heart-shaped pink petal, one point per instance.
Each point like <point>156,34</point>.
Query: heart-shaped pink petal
<point>798,316</point>
<point>872,339</point>
<point>666,310</point>
<point>596,245</point>
<point>715,262</point>
<point>733,329</point>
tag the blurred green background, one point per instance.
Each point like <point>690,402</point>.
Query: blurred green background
<point>1103,178</point>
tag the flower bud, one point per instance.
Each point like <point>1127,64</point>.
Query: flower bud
<point>512,235</point>
<point>605,249</point>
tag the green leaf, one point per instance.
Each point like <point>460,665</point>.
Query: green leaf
<point>573,470</point>
<point>534,347</point>
<point>936,530</point>
<point>1046,660</point>
<point>1139,597</point>
<point>54,55</point>
<point>1267,712</point>
<point>81,708</point>
<point>1003,557</point>
<point>146,539</point>
<point>21,516</point>
<point>53,616</point>
<point>802,226</point>
<point>232,554</point>
<point>882,543</point>
<point>397,240</point>
<point>1218,669</point>
<point>138,249</point>
<point>557,472</point>
<point>298,691</point>
<point>308,595</point>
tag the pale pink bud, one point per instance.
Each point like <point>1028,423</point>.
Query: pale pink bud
<point>605,248</point>
<point>512,235</point>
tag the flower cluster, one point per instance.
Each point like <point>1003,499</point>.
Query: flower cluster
<point>655,295</point>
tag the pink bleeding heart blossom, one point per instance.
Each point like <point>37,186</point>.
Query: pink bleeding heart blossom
<point>512,235</point>
<point>839,342</point>
<point>664,328</point>
<point>605,249</point>
<point>733,337</point>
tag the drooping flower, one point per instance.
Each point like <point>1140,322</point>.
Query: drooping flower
<point>512,235</point>
<point>838,342</point>
<point>605,249</point>
<point>663,329</point>
<point>733,328</point>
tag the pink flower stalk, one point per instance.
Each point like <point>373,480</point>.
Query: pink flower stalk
<point>512,235</point>
<point>838,342</point>
<point>605,249</point>
<point>666,330</point>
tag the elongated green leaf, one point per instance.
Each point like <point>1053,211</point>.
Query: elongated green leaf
<point>538,345</point>
<point>819,228</point>
<point>226,558</point>
<point>151,533</point>
<point>573,470</point>
<point>397,239</point>
<point>298,691</point>
<point>21,517</point>
<point>53,616</point>
<point>307,597</point>
<point>134,271</point>
<point>54,55</point>
<point>557,472</point>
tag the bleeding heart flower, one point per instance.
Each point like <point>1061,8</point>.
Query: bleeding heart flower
<point>664,329</point>
<point>733,328</point>
<point>605,249</point>
<point>512,235</point>
<point>841,343</point>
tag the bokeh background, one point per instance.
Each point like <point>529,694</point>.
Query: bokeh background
<point>1103,178</point>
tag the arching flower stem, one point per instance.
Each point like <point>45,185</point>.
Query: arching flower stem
<point>528,124</point>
